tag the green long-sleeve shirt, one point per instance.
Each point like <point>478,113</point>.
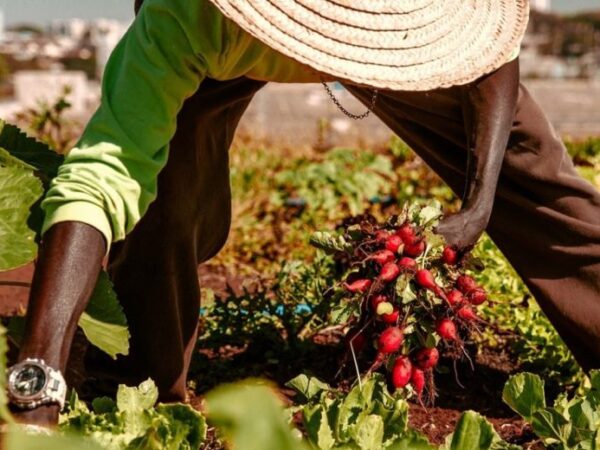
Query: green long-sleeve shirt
<point>109,179</point>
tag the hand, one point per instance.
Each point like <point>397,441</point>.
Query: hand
<point>463,230</point>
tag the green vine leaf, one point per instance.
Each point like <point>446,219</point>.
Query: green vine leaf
<point>19,192</point>
<point>104,322</point>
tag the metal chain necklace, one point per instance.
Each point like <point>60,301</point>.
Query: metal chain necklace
<point>344,110</point>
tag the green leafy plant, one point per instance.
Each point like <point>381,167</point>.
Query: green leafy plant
<point>570,424</point>
<point>135,421</point>
<point>370,418</point>
<point>343,182</point>
<point>367,418</point>
<point>292,307</point>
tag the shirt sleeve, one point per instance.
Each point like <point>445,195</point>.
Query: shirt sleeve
<point>109,179</point>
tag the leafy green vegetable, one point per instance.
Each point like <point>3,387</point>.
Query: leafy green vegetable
<point>473,432</point>
<point>569,424</point>
<point>524,394</point>
<point>365,418</point>
<point>133,421</point>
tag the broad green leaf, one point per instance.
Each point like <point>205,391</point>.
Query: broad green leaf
<point>19,191</point>
<point>548,424</point>
<point>325,439</point>
<point>368,433</point>
<point>133,399</point>
<point>395,418</point>
<point>306,386</point>
<point>595,379</point>
<point>473,432</point>
<point>582,415</point>
<point>412,440</point>
<point>18,440</point>
<point>104,322</point>
<point>524,393</point>
<point>429,214</point>
<point>250,417</point>
<point>5,415</point>
<point>29,150</point>
<point>191,425</point>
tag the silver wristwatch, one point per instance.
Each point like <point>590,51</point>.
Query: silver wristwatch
<point>32,383</point>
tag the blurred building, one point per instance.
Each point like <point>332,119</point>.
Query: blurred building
<point>540,5</point>
<point>1,25</point>
<point>35,86</point>
<point>105,34</point>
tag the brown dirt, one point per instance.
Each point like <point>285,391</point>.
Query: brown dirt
<point>13,299</point>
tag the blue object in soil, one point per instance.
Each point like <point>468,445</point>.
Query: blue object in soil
<point>295,201</point>
<point>279,310</point>
<point>384,199</point>
<point>299,309</point>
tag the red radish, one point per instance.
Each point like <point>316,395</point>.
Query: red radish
<point>407,233</point>
<point>358,286</point>
<point>382,235</point>
<point>417,380</point>
<point>384,308</point>
<point>389,272</point>
<point>391,318</point>
<point>477,296</point>
<point>447,330</point>
<point>467,313</point>
<point>393,243</point>
<point>455,297</point>
<point>427,358</point>
<point>382,257</point>
<point>401,372</point>
<point>425,280</point>
<point>375,301</point>
<point>357,339</point>
<point>415,249</point>
<point>407,264</point>
<point>465,284</point>
<point>450,256</point>
<point>390,340</point>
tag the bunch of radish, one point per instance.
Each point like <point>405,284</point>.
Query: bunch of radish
<point>412,295</point>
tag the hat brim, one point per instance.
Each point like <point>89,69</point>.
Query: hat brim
<point>412,45</point>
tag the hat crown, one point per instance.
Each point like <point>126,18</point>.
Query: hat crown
<point>403,45</point>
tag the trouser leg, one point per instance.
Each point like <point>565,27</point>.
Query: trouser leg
<point>155,268</point>
<point>546,218</point>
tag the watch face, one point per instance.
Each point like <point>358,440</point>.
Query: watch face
<point>28,380</point>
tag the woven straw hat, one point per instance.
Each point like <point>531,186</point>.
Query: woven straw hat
<point>396,44</point>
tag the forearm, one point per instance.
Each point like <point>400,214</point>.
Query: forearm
<point>66,273</point>
<point>493,102</point>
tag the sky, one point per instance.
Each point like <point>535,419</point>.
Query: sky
<point>42,11</point>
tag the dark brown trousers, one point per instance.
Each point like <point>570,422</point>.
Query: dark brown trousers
<point>546,220</point>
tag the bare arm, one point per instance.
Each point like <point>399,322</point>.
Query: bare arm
<point>492,103</point>
<point>67,270</point>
